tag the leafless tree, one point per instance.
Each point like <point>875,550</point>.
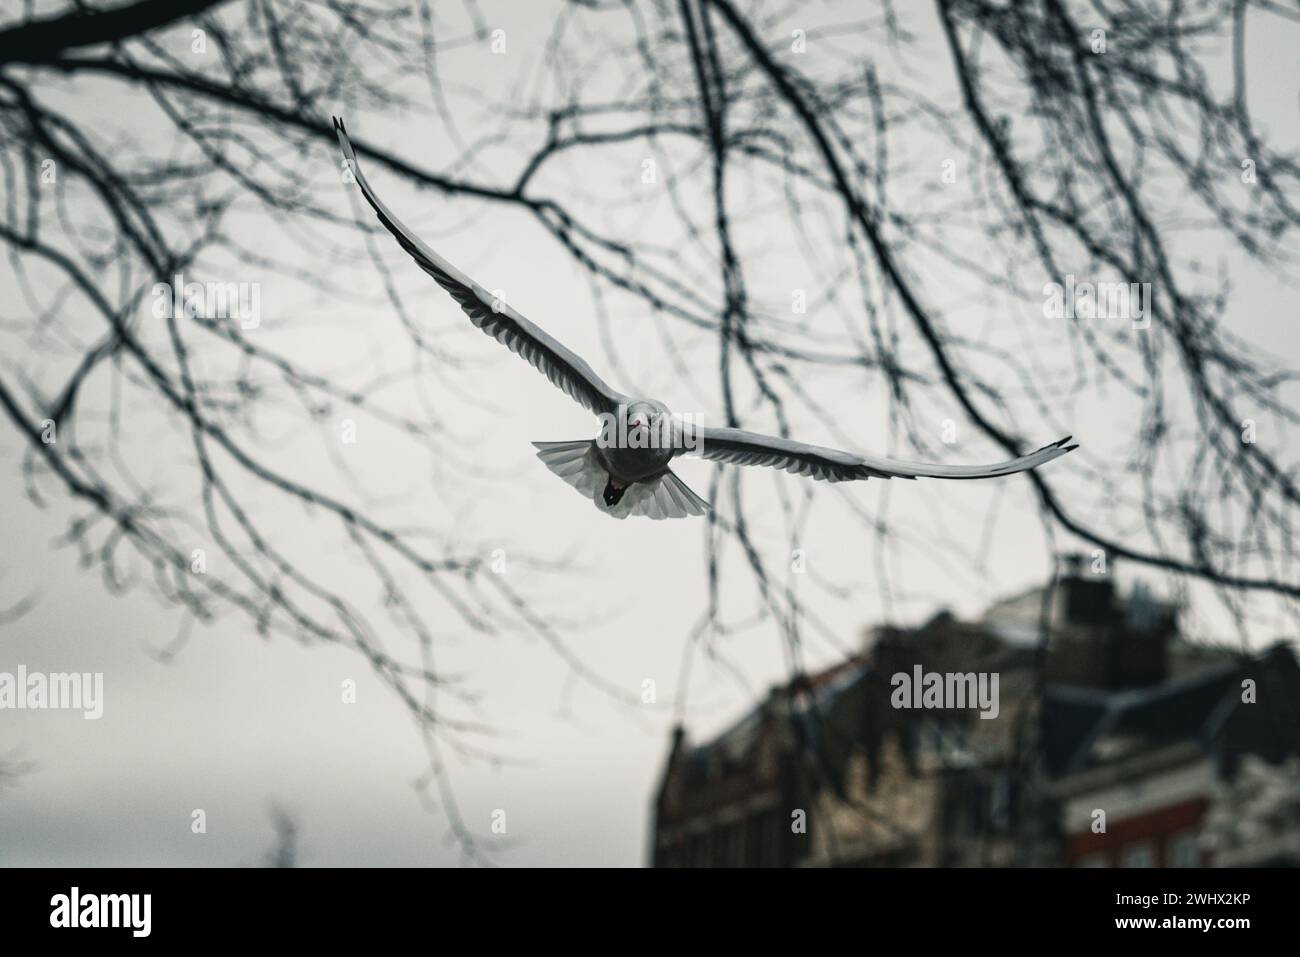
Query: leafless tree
<point>284,853</point>
<point>1091,139</point>
<point>12,767</point>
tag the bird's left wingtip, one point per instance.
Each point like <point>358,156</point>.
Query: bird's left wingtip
<point>1061,444</point>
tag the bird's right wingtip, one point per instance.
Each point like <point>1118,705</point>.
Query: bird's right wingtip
<point>345,144</point>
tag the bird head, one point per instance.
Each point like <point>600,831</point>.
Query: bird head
<point>645,418</point>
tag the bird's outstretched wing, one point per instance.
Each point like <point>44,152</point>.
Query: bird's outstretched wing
<point>751,448</point>
<point>562,366</point>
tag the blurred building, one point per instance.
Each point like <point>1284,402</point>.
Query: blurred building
<point>1115,743</point>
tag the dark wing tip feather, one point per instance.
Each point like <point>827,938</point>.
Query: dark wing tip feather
<point>345,144</point>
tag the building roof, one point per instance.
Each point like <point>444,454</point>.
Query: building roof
<point>794,701</point>
<point>1087,728</point>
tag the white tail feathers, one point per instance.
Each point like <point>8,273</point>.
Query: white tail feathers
<point>665,496</point>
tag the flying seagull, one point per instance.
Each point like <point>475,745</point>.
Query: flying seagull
<point>625,470</point>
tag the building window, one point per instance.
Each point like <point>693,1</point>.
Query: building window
<point>1139,855</point>
<point>728,846</point>
<point>1185,850</point>
<point>721,846</point>
<point>699,855</point>
<point>1000,802</point>
<point>759,851</point>
<point>772,834</point>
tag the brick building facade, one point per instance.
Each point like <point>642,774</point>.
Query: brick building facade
<point>1119,716</point>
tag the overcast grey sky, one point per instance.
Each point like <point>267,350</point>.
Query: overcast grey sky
<point>237,721</point>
